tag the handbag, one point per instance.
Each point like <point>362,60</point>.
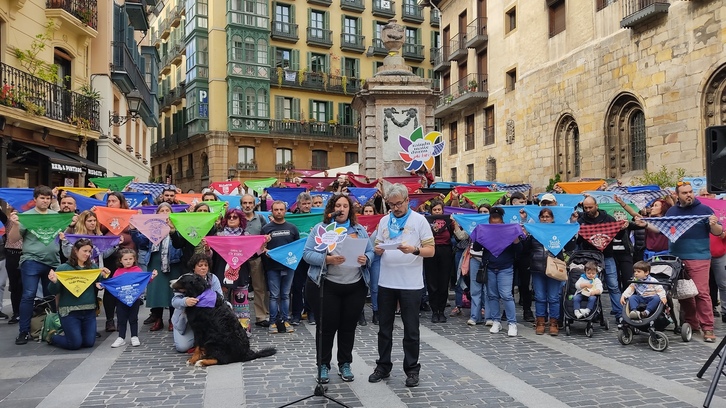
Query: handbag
<point>685,287</point>
<point>481,275</point>
<point>556,269</point>
<point>51,325</point>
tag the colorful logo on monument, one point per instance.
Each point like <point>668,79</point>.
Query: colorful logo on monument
<point>329,237</point>
<point>419,150</point>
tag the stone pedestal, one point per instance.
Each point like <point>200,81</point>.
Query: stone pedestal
<point>394,102</point>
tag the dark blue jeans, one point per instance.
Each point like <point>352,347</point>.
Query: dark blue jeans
<point>31,273</point>
<point>79,330</point>
<point>130,315</point>
<point>410,301</point>
<point>651,301</point>
<point>577,301</point>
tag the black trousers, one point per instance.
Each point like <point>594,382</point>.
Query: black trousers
<point>624,262</point>
<point>438,272</point>
<point>128,314</point>
<point>297,295</point>
<point>342,305</point>
<point>158,312</point>
<point>410,301</point>
<point>12,264</point>
<point>524,278</point>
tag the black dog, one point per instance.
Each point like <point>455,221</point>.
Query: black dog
<point>219,337</point>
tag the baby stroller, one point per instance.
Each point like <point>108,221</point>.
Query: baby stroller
<point>666,269</point>
<point>575,268</point>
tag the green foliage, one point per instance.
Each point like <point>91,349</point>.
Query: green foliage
<point>553,181</point>
<point>32,63</point>
<point>662,177</point>
<point>88,91</point>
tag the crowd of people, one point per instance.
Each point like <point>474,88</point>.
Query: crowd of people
<point>415,254</point>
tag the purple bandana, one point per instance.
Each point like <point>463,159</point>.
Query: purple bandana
<point>496,237</point>
<point>208,298</point>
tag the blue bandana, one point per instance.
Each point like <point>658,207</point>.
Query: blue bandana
<point>396,224</point>
<point>345,224</point>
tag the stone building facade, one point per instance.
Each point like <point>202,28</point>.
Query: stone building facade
<point>599,88</point>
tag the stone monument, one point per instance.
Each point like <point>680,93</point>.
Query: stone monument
<point>394,102</point>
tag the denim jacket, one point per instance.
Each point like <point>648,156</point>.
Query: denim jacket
<point>316,259</point>
<point>175,255</point>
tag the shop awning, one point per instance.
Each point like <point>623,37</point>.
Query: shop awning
<point>92,169</point>
<point>58,161</point>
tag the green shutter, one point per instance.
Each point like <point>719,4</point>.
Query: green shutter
<point>292,14</point>
<point>310,17</point>
<point>327,63</point>
<point>310,57</point>
<point>295,108</point>
<point>341,109</point>
<point>329,111</point>
<point>310,110</point>
<point>271,57</point>
<point>357,68</point>
<point>295,60</point>
<point>359,26</point>
<point>326,20</point>
<point>279,105</point>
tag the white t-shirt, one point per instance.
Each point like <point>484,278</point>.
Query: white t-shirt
<point>399,270</point>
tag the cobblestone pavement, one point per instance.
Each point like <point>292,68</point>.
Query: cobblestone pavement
<point>461,366</point>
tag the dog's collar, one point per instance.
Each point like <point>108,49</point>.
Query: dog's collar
<point>208,298</point>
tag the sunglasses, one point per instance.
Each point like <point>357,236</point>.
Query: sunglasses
<point>683,183</point>
<point>233,217</point>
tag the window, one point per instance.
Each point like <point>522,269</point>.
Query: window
<point>347,114</point>
<point>351,30</point>
<point>638,157</point>
<point>601,4</point>
<point>491,169</point>
<point>557,17</point>
<point>567,148</point>
<point>190,164</point>
<point>318,62</point>
<point>286,58</point>
<point>317,24</point>
<point>320,111</point>
<point>351,67</point>
<point>453,174</point>
<point>246,155</point>
<point>287,108</point>
<point>489,126</point>
<point>469,136</point>
<point>511,79</point>
<point>284,156</point>
<point>320,160</point>
<point>283,18</point>
<point>469,173</point>
<point>351,157</point>
<point>453,144</point>
<point>237,98</point>
<point>411,35</point>
<point>510,20</point>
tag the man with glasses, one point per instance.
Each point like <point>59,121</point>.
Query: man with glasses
<point>255,222</point>
<point>401,281</point>
<point>693,247</point>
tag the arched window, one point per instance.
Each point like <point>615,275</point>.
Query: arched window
<point>714,94</point>
<point>237,53</point>
<point>237,101</point>
<point>262,104</point>
<point>567,148</point>
<point>205,165</point>
<point>625,136</point>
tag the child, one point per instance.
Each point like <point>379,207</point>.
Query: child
<point>588,287</point>
<point>127,260</point>
<point>645,292</point>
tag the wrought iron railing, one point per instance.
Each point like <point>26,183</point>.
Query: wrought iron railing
<point>315,81</point>
<point>347,133</point>
<point>285,30</point>
<point>42,98</point>
<point>84,10</point>
<point>123,61</point>
<point>469,84</point>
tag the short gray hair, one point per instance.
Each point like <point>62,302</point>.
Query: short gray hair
<point>397,190</point>
<point>304,196</point>
<point>279,202</point>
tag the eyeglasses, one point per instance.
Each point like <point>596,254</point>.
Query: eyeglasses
<point>233,217</point>
<point>683,183</point>
<point>396,205</point>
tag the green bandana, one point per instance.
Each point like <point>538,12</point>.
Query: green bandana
<point>617,211</point>
<point>112,183</point>
<point>304,222</point>
<point>193,226</point>
<point>480,198</point>
<point>45,226</point>
<point>260,184</point>
<point>215,206</point>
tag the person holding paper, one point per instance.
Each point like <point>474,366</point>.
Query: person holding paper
<point>346,283</point>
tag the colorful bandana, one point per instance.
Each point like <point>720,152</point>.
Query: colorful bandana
<point>600,235</point>
<point>554,237</point>
<point>397,224</point>
<point>675,226</point>
<point>290,254</point>
<point>496,237</point>
<point>208,298</point>
<point>45,226</point>
<point>153,226</point>
<point>127,288</point>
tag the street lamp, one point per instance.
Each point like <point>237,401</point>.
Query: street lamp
<point>134,100</point>
<point>231,173</point>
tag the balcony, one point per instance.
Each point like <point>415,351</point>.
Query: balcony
<point>178,13</point>
<point>248,19</point>
<point>313,131</point>
<point>319,37</point>
<point>126,75</point>
<point>352,5</point>
<point>315,81</point>
<point>251,124</point>
<point>164,29</point>
<point>470,90</point>
<point>165,64</point>
<point>321,2</point>
<point>248,70</point>
<point>435,18</point>
<point>459,52</point>
<point>412,13</point>
<point>352,42</point>
<point>155,39</point>
<point>284,166</point>
<point>246,166</point>
<point>476,34</point>
<point>136,10</point>
<point>638,12</point>
<point>378,48</point>
<point>175,53</point>
<point>85,11</point>
<point>41,98</point>
<point>384,8</point>
<point>284,31</point>
<point>440,58</point>
<point>413,52</point>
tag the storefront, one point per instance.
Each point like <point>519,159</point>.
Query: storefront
<point>30,165</point>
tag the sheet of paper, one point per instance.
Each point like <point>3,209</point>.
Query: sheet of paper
<point>351,249</point>
<point>390,246</point>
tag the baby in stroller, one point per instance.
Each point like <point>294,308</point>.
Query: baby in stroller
<point>646,290</point>
<point>588,287</point>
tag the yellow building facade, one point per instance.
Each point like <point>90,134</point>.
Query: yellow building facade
<point>250,89</point>
<point>599,88</point>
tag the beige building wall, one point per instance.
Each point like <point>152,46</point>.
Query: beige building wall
<point>662,67</point>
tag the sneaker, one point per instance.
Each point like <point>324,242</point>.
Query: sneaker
<point>324,377</point>
<point>644,314</point>
<point>263,323</point>
<point>272,329</point>
<point>295,321</point>
<point>489,323</point>
<point>512,332</point>
<point>288,327</point>
<point>22,338</point>
<point>377,376</point>
<point>471,322</point>
<point>311,320</point>
<point>456,311</point>
<point>3,316</point>
<point>708,336</point>
<point>345,373</point>
<point>586,312</point>
<point>135,342</point>
<point>578,314</point>
<point>412,380</point>
<point>119,342</point>
<point>634,314</point>
<point>14,320</point>
<point>496,328</point>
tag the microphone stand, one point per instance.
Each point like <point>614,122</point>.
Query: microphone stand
<point>320,389</point>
